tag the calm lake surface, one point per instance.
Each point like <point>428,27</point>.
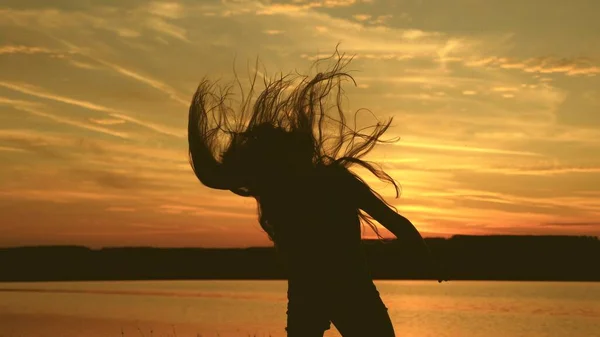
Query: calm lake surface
<point>257,308</point>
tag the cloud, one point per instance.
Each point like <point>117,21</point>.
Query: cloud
<point>59,196</point>
<point>573,66</point>
<point>156,17</point>
<point>433,80</point>
<point>33,137</point>
<point>39,92</point>
<point>229,212</point>
<point>126,32</point>
<point>152,126</point>
<point>300,6</point>
<point>83,65</point>
<point>545,171</point>
<point>572,224</point>
<point>18,102</point>
<point>170,10</point>
<point>34,109</point>
<point>505,89</point>
<point>458,148</point>
<point>11,149</point>
<point>115,179</point>
<point>162,26</point>
<point>120,209</point>
<point>20,49</point>
<point>233,214</point>
<point>273,32</point>
<point>154,83</point>
<point>107,121</point>
<point>137,159</point>
<point>541,65</point>
<point>76,123</point>
<point>176,209</point>
<point>321,56</point>
<point>548,170</point>
<point>361,17</point>
<point>334,3</point>
<point>381,19</point>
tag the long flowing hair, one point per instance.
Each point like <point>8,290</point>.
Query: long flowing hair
<point>216,130</point>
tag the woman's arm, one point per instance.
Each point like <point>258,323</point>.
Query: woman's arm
<point>400,226</point>
<point>369,202</point>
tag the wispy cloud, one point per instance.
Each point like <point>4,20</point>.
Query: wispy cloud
<point>152,126</point>
<point>83,65</point>
<point>20,49</point>
<point>533,170</point>
<point>541,65</point>
<point>160,25</point>
<point>156,84</point>
<point>167,9</point>
<point>300,6</point>
<point>505,89</point>
<point>59,196</point>
<point>457,148</point>
<point>361,17</point>
<point>39,92</point>
<point>11,149</point>
<point>107,121</point>
<point>18,102</point>
<point>381,19</point>
<point>273,32</point>
<point>35,110</point>
<point>120,209</point>
<point>77,123</point>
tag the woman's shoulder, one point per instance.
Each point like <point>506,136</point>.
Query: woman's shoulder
<point>336,174</point>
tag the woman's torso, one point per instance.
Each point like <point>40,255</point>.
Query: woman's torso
<point>318,233</point>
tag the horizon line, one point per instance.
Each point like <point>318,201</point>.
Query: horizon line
<point>271,246</point>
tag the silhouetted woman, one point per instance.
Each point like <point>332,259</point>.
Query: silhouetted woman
<point>292,157</point>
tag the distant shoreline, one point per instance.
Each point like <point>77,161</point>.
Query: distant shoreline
<point>467,258</point>
<point>264,279</point>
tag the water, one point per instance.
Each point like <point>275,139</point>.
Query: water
<point>257,308</point>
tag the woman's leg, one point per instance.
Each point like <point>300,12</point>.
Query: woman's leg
<point>304,333</point>
<point>361,317</point>
<point>306,319</point>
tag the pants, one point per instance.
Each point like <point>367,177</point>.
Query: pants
<point>353,315</point>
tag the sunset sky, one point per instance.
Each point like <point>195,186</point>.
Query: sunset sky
<point>497,104</point>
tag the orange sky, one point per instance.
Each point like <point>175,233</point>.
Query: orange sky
<point>497,104</point>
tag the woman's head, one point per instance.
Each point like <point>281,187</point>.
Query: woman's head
<point>265,153</point>
<point>288,129</point>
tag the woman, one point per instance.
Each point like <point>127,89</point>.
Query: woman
<point>292,157</point>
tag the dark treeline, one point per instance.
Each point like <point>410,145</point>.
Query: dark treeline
<point>555,258</point>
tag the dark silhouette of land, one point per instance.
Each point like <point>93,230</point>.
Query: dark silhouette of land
<point>551,258</point>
